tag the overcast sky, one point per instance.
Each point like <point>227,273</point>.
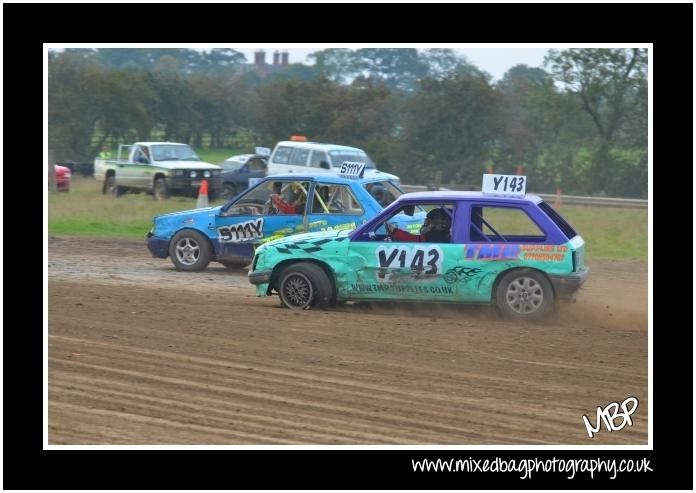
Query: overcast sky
<point>495,61</point>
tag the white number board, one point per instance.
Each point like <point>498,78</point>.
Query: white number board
<point>262,151</point>
<point>514,185</point>
<point>351,169</point>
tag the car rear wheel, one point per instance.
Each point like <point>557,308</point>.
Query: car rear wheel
<point>305,285</point>
<point>111,188</point>
<point>228,191</point>
<point>524,294</point>
<point>190,251</point>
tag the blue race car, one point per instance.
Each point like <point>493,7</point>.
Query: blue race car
<point>277,206</point>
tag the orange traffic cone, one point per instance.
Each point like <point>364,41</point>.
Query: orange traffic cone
<point>557,204</point>
<point>203,195</point>
<point>490,170</point>
<point>520,171</point>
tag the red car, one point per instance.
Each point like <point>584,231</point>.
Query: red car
<point>62,178</point>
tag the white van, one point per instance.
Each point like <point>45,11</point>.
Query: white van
<point>299,156</point>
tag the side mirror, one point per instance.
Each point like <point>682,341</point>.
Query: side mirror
<point>324,164</point>
<point>409,210</point>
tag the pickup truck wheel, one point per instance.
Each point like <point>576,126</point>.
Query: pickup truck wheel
<point>524,294</point>
<point>160,190</point>
<point>228,191</point>
<point>305,285</point>
<point>110,187</point>
<point>190,251</point>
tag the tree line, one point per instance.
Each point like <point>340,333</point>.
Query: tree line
<point>430,116</point>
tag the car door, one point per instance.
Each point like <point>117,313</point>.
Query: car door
<point>404,270</point>
<point>501,236</point>
<point>335,206</point>
<point>133,174</point>
<point>251,220</point>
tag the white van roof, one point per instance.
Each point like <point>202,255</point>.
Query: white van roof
<point>317,145</point>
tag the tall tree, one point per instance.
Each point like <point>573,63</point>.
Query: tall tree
<point>610,84</point>
<point>449,128</point>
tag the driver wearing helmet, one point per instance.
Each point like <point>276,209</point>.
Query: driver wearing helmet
<point>291,200</point>
<point>435,229</point>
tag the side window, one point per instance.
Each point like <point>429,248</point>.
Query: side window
<point>256,164</point>
<point>383,192</point>
<point>252,202</point>
<point>335,199</point>
<point>282,155</point>
<point>503,224</point>
<point>424,223</point>
<point>271,198</point>
<point>141,155</point>
<point>317,157</point>
<point>299,157</point>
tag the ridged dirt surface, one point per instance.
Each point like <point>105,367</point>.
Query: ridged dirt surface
<point>139,353</point>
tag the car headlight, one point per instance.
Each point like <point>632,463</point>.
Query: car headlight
<point>193,174</point>
<point>206,174</point>
<point>178,172</point>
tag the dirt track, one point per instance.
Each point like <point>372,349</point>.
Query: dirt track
<point>142,354</point>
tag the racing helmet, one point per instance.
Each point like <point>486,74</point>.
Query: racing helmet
<point>436,220</point>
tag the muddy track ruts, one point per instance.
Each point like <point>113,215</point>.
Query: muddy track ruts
<point>142,354</point>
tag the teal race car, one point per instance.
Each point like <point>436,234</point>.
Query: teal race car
<point>515,252</point>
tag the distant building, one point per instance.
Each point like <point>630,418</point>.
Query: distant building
<point>281,61</point>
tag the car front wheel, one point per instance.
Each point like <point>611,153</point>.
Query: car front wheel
<point>524,294</point>
<point>190,251</point>
<point>305,285</point>
<point>160,190</point>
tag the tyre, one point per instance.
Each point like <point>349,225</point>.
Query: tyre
<point>524,294</point>
<point>160,190</point>
<point>228,191</point>
<point>111,188</point>
<point>305,285</point>
<point>190,251</point>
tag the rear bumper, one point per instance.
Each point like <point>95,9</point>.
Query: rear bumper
<point>63,184</point>
<point>259,277</point>
<point>159,247</point>
<point>565,286</point>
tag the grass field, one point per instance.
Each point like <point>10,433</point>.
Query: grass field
<point>214,156</point>
<point>609,232</point>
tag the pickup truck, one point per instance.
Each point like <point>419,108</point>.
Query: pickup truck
<point>158,168</point>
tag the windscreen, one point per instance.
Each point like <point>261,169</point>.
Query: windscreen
<point>174,153</point>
